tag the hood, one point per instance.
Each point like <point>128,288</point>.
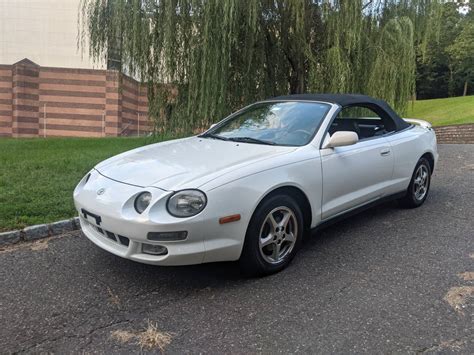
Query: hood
<point>184,163</point>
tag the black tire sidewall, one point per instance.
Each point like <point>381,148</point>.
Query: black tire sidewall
<point>251,260</point>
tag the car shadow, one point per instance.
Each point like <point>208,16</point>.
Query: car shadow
<point>225,274</point>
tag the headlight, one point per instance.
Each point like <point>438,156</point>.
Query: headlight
<point>142,201</point>
<point>186,203</point>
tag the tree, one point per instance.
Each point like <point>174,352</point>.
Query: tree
<point>435,77</point>
<point>462,54</point>
<point>223,54</point>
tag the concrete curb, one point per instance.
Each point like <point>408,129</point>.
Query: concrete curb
<point>39,231</point>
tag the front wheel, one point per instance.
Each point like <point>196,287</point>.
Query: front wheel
<point>419,185</point>
<point>273,236</point>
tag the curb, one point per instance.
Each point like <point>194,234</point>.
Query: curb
<point>39,231</point>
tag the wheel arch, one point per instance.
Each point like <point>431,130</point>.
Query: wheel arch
<point>300,197</point>
<point>431,160</point>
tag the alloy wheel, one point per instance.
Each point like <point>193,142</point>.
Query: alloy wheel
<point>278,234</point>
<point>420,185</point>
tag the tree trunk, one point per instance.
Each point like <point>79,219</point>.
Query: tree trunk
<point>451,82</point>
<point>465,89</point>
<point>297,80</point>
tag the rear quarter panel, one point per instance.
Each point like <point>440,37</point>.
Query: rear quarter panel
<point>408,146</point>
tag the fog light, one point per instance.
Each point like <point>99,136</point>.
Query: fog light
<point>167,236</point>
<point>154,249</point>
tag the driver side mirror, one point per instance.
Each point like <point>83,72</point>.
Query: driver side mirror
<point>341,139</point>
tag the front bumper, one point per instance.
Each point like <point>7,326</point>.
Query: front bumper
<point>122,231</point>
<point>179,253</point>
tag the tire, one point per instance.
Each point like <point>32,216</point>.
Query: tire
<point>418,189</point>
<point>269,246</point>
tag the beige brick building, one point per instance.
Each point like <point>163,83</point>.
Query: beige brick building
<point>49,88</point>
<point>50,101</point>
<point>44,31</point>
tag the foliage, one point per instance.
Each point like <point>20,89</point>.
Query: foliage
<point>440,71</point>
<point>462,52</point>
<point>210,57</point>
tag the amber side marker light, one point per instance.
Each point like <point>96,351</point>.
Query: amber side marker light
<point>228,219</point>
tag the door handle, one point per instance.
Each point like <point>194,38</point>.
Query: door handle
<point>385,152</point>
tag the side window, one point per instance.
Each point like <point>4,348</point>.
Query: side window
<point>364,121</point>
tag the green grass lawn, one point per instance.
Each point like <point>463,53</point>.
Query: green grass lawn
<point>442,112</point>
<point>38,176</point>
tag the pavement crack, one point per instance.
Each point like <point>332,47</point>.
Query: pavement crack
<point>74,336</point>
<point>111,324</point>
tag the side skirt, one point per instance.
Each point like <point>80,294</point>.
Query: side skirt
<point>357,210</point>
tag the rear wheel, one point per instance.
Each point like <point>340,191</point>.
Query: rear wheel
<point>419,185</point>
<point>273,236</point>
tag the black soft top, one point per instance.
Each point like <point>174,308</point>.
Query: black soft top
<point>346,100</point>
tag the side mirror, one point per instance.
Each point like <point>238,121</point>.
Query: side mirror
<point>341,139</point>
<point>213,125</point>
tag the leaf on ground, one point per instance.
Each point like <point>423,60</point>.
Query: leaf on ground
<point>458,296</point>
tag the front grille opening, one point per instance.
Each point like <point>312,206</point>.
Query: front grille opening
<point>111,236</point>
<point>123,240</point>
<point>119,239</point>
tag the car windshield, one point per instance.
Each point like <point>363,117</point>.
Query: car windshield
<point>276,123</point>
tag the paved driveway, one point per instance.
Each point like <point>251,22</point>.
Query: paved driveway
<point>387,280</point>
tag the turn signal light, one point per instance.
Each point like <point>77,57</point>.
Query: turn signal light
<point>228,219</point>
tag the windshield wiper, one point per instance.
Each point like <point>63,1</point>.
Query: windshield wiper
<point>250,140</point>
<point>211,135</point>
<point>236,139</point>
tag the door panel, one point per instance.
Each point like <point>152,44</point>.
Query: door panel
<point>355,174</point>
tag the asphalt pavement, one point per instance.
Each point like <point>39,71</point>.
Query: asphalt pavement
<point>387,280</point>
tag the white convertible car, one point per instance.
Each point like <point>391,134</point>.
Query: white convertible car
<point>253,185</point>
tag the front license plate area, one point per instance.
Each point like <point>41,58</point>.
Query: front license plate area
<point>97,219</point>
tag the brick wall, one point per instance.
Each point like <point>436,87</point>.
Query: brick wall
<point>45,101</point>
<point>459,134</point>
<point>6,111</point>
<point>134,107</point>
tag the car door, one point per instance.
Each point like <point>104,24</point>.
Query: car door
<point>356,174</point>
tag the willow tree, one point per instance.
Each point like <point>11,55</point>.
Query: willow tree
<point>219,55</point>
